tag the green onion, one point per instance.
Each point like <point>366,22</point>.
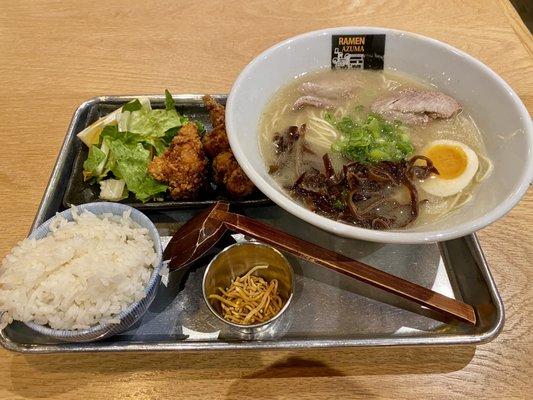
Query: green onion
<point>371,140</point>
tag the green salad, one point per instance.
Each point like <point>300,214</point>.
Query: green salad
<point>122,144</point>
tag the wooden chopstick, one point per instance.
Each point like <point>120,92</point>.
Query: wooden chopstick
<point>309,251</point>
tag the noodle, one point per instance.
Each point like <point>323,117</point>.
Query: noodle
<point>249,299</point>
<point>320,132</point>
<point>456,205</point>
<point>482,175</point>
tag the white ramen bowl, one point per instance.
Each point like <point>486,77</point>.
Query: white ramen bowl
<point>502,118</point>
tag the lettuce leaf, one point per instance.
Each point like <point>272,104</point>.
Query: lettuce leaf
<point>154,122</point>
<point>130,162</point>
<point>154,126</point>
<point>93,166</point>
<point>170,104</point>
<point>133,105</point>
<point>113,189</point>
<point>201,127</point>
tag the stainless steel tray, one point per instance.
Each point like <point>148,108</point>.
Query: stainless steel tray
<point>329,309</point>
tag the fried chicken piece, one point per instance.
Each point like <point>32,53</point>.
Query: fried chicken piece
<point>216,141</point>
<point>226,170</point>
<point>217,111</point>
<point>183,165</point>
<point>223,164</point>
<point>238,184</point>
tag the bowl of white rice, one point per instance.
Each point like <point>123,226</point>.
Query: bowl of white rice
<point>87,273</point>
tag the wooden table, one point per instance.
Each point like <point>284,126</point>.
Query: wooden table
<point>55,55</point>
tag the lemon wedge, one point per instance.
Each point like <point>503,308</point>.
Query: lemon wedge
<point>91,134</point>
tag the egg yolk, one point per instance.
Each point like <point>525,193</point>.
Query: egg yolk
<point>450,161</point>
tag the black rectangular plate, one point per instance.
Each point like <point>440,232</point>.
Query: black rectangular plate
<point>79,191</point>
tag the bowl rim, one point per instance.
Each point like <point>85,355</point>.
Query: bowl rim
<point>354,232</point>
<point>261,324</point>
<point>102,329</point>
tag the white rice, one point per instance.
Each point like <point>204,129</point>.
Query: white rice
<point>82,273</point>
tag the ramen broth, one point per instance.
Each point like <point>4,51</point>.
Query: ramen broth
<point>366,86</point>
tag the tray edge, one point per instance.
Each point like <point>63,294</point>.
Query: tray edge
<point>472,240</point>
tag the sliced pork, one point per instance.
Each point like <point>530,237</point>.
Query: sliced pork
<point>313,101</point>
<point>416,106</point>
<point>330,91</point>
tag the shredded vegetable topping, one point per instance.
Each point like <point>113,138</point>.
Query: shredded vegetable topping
<point>249,299</point>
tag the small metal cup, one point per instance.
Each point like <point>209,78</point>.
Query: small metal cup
<point>235,261</point>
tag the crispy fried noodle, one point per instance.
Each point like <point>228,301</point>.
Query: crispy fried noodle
<point>249,299</point>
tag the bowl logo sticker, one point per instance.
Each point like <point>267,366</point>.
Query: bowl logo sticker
<point>357,51</point>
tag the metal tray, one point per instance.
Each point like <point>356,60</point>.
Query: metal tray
<point>80,192</point>
<point>329,309</point>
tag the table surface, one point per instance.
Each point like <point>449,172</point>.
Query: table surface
<point>54,55</point>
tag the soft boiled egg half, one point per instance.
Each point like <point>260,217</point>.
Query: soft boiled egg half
<point>457,164</point>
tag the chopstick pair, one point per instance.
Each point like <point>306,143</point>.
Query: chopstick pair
<point>205,229</point>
